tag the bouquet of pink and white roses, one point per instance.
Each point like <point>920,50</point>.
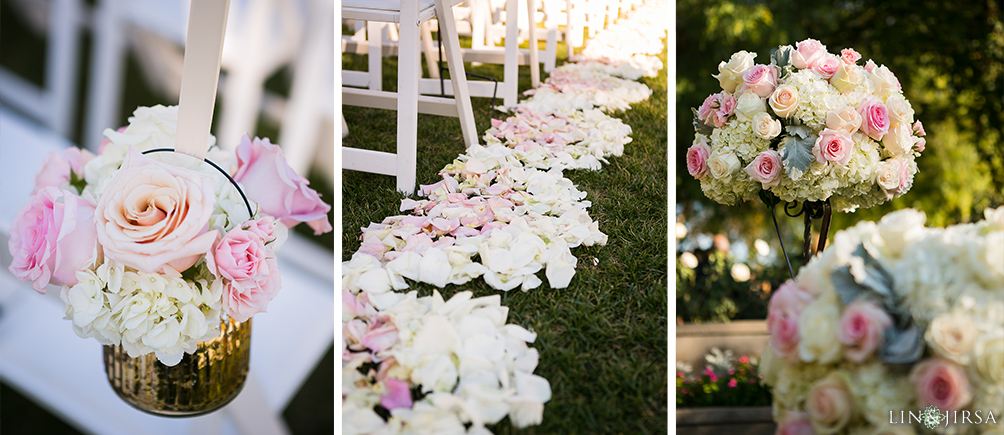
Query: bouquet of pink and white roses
<point>151,250</point>
<point>893,319</point>
<point>808,126</point>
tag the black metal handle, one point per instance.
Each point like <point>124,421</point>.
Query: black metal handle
<point>225,174</point>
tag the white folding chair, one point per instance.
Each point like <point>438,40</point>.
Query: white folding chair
<point>262,36</point>
<point>487,32</point>
<point>53,103</point>
<point>408,102</point>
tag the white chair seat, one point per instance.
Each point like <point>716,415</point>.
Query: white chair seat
<point>387,11</point>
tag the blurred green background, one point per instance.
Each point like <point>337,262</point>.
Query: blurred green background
<point>949,57</point>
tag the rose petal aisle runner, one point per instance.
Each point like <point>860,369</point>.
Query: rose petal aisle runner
<point>503,212</point>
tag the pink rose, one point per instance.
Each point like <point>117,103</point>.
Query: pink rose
<point>795,423</point>
<point>874,118</point>
<point>759,79</point>
<point>269,181</point>
<point>941,383</point>
<point>716,109</point>
<point>833,146</point>
<point>829,404</point>
<point>807,54</point>
<point>250,269</point>
<point>154,215</point>
<point>697,159</point>
<point>918,129</point>
<point>861,329</point>
<point>921,144</point>
<point>766,168</point>
<point>782,318</point>
<point>870,65</point>
<point>397,394</point>
<point>827,65</point>
<point>51,238</point>
<point>57,168</point>
<point>849,56</point>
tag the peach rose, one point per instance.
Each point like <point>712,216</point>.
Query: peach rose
<point>765,126</point>
<point>784,101</point>
<point>846,119</point>
<point>884,80</point>
<point>942,384</point>
<point>154,215</point>
<point>830,404</point>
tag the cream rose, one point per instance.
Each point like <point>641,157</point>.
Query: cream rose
<point>846,119</point>
<point>748,105</point>
<point>766,126</point>
<point>784,101</point>
<point>817,328</point>
<point>900,229</point>
<point>884,80</point>
<point>847,78</point>
<point>730,74</point>
<point>887,175</point>
<point>988,360</point>
<point>830,404</point>
<point>899,108</point>
<point>899,140</point>
<point>723,165</point>
<point>154,215</point>
<point>951,335</point>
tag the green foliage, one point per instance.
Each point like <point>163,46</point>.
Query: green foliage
<point>709,293</point>
<point>725,381</point>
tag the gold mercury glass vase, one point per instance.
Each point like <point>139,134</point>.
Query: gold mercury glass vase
<point>201,383</point>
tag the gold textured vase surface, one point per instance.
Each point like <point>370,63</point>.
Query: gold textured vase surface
<point>201,383</point>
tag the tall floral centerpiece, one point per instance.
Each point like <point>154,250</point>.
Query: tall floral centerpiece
<point>896,328</point>
<point>157,255</point>
<point>809,127</point>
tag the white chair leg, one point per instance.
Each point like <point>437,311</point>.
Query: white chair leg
<point>407,96</point>
<point>551,50</point>
<point>104,95</point>
<point>374,36</point>
<point>479,15</point>
<point>455,61</point>
<point>243,89</point>
<point>431,54</point>
<point>303,119</point>
<point>60,82</point>
<point>568,28</point>
<point>531,15</point>
<point>510,74</point>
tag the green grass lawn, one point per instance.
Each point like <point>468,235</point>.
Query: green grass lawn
<point>602,340</point>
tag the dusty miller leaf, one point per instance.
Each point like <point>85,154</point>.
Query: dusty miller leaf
<point>699,126</point>
<point>796,155</point>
